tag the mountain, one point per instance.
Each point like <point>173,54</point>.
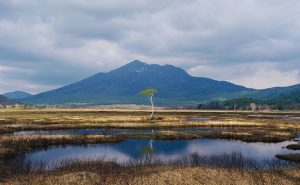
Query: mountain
<point>292,95</point>
<point>5,101</point>
<point>262,94</point>
<point>270,93</point>
<point>277,98</point>
<point>122,86</point>
<point>16,95</point>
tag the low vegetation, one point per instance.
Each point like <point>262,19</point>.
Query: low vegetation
<point>238,125</point>
<point>98,172</point>
<point>12,120</point>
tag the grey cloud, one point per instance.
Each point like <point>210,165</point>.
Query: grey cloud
<point>59,42</point>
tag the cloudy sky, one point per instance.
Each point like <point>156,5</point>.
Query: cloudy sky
<point>45,44</point>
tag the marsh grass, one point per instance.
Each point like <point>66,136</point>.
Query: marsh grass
<point>233,169</point>
<point>233,161</point>
<point>68,119</point>
<point>254,135</point>
<point>193,169</point>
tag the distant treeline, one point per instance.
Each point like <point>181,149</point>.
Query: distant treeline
<point>287,102</point>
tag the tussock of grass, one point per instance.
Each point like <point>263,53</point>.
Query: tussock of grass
<point>289,157</point>
<point>252,135</point>
<point>293,147</point>
<point>6,152</point>
<point>243,135</point>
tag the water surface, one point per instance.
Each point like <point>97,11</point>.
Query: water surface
<point>198,119</point>
<point>268,116</point>
<point>295,117</point>
<point>162,150</point>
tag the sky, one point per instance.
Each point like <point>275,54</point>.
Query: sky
<point>50,43</point>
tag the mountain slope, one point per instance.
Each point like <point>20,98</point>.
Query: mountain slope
<point>283,98</point>
<point>123,85</point>
<point>16,95</point>
<point>5,101</point>
<point>262,94</point>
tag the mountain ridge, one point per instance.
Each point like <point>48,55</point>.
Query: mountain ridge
<point>17,95</point>
<point>122,85</point>
<point>6,101</point>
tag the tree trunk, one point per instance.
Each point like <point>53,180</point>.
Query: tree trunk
<point>152,106</point>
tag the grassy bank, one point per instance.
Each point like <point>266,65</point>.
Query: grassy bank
<point>108,173</point>
<point>80,119</point>
<point>242,135</point>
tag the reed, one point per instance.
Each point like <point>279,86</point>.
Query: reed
<point>99,172</point>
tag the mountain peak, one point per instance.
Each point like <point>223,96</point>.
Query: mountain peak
<point>138,67</point>
<point>134,66</point>
<point>136,63</point>
<point>16,95</point>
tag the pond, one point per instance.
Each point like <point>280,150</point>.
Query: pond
<point>292,117</point>
<point>105,131</point>
<point>268,116</point>
<point>198,119</point>
<point>161,150</point>
<point>295,117</point>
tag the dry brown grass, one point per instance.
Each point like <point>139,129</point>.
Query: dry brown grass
<point>99,173</point>
<point>66,119</point>
<point>248,129</point>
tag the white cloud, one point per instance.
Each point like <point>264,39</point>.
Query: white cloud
<point>259,74</point>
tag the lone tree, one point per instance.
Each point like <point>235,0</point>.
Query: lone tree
<point>149,93</point>
<point>253,106</point>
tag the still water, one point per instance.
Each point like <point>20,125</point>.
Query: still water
<point>162,150</point>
